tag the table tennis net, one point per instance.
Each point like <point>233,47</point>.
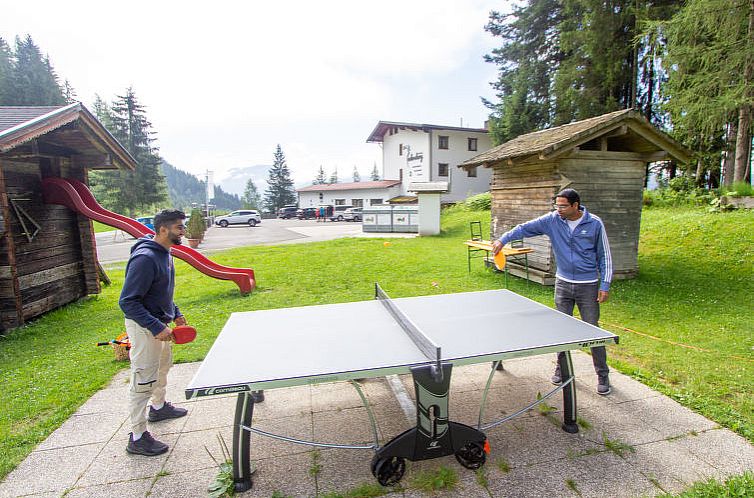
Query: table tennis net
<point>426,345</point>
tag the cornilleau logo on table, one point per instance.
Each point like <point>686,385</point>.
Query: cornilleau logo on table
<point>223,390</point>
<point>434,445</point>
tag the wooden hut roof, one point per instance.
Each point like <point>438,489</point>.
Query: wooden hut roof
<point>67,131</point>
<point>627,131</point>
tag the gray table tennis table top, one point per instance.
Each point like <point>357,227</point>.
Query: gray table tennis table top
<point>305,345</point>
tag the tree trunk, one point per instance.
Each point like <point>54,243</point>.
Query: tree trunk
<point>730,153</point>
<point>743,142</point>
<point>743,138</point>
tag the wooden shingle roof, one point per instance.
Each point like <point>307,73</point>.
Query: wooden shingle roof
<point>63,131</point>
<point>633,132</point>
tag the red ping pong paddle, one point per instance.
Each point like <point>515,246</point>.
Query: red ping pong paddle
<point>184,334</point>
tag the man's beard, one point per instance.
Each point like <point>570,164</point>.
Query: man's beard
<point>177,240</point>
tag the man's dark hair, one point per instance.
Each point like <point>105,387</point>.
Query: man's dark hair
<point>571,195</point>
<point>167,217</point>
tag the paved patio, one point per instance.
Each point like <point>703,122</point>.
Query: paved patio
<point>657,445</point>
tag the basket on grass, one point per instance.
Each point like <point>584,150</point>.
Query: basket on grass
<point>121,345</point>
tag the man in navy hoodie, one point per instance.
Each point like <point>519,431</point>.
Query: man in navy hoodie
<point>585,268</point>
<point>147,302</point>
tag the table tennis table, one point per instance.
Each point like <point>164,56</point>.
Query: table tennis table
<point>424,336</point>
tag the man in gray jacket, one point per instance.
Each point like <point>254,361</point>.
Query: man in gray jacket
<point>585,268</point>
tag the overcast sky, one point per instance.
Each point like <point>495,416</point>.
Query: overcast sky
<point>225,82</point>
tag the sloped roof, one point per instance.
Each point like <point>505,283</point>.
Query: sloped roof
<point>382,127</point>
<point>11,116</point>
<point>552,142</point>
<point>65,131</point>
<point>350,186</point>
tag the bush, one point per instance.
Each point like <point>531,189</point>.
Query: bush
<point>479,202</point>
<point>196,226</point>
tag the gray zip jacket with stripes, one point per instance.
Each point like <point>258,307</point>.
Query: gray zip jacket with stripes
<point>582,256</point>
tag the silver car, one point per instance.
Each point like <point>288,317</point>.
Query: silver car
<point>352,214</point>
<point>239,217</point>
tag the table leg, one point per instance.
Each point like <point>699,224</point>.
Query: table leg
<point>569,393</point>
<point>242,442</point>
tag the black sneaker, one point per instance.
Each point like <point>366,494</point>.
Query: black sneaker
<point>146,445</point>
<point>167,411</point>
<point>257,396</point>
<point>603,385</point>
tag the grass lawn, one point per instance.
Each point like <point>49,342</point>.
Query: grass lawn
<point>101,227</point>
<point>685,322</point>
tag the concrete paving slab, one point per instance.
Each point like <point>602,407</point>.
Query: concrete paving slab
<point>50,470</point>
<point>211,412</point>
<point>725,450</point>
<point>671,468</point>
<point>126,489</point>
<point>114,464</point>
<point>348,426</point>
<point>343,470</point>
<point>174,484</point>
<point>334,396</point>
<point>286,402</point>
<point>189,453</point>
<point>467,484</point>
<point>599,475</point>
<point>84,429</point>
<point>287,475</point>
<point>298,427</point>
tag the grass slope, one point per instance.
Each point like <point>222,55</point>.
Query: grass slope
<point>695,287</point>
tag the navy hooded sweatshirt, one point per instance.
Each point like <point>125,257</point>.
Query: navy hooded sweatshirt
<point>147,295</point>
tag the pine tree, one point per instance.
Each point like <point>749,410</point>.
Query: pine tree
<point>279,184</point>
<point>34,79</point>
<point>126,191</point>
<point>334,176</point>
<point>6,73</point>
<point>356,175</point>
<point>69,94</point>
<point>321,178</point>
<point>710,64</point>
<point>375,175</point>
<point>251,197</point>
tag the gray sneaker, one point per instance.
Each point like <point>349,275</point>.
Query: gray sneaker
<point>166,412</point>
<point>146,445</point>
<point>556,378</point>
<point>603,385</point>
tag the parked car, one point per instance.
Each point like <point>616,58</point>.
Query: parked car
<point>337,213</point>
<point>239,217</point>
<point>353,214</point>
<point>287,212</point>
<point>306,213</point>
<point>147,221</point>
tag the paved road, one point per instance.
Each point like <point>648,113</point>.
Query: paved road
<point>116,246</point>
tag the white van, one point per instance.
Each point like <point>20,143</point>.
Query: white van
<point>337,212</point>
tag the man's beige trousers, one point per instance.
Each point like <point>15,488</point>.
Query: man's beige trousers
<point>150,362</point>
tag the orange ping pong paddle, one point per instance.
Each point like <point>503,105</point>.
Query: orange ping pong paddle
<point>500,260</point>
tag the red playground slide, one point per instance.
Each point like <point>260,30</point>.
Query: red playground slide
<point>77,197</point>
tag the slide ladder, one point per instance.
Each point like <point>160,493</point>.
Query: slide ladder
<point>77,197</point>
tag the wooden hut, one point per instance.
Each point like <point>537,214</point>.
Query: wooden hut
<point>48,256</point>
<point>604,158</point>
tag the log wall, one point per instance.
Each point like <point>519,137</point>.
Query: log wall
<point>610,185</point>
<point>58,265</point>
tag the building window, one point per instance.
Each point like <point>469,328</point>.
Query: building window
<point>400,149</point>
<point>342,202</point>
<point>442,141</point>
<point>321,197</point>
<point>375,202</point>
<point>471,172</point>
<point>472,143</point>
<point>442,169</point>
<point>357,203</point>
